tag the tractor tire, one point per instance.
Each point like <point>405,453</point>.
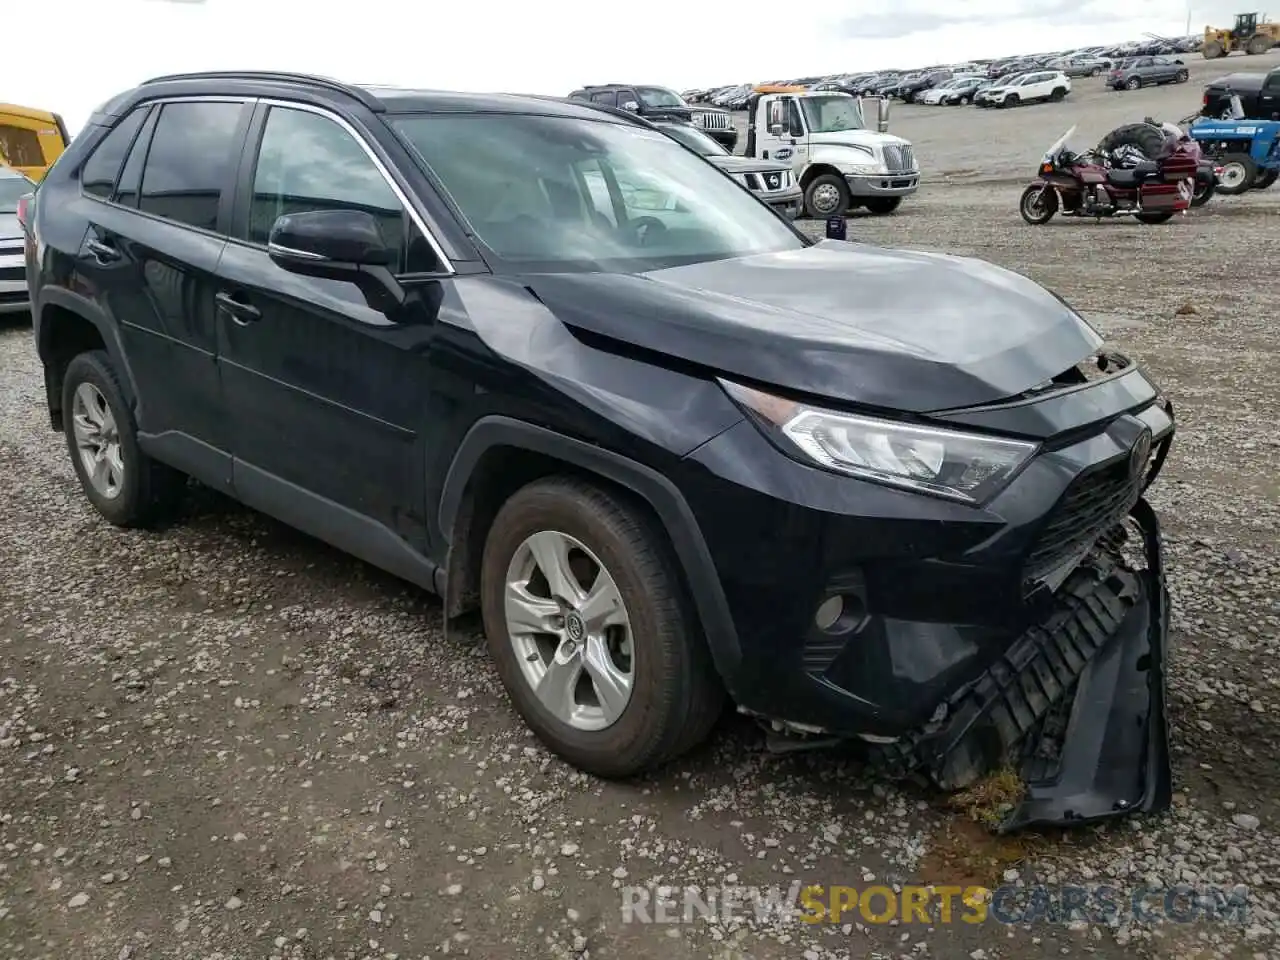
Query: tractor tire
<point>1012,100</point>
<point>1059,93</point>
<point>1265,179</point>
<point>1143,136</point>
<point>1133,83</point>
<point>1258,44</point>
<point>1182,77</point>
<point>1238,174</point>
<point>1213,50</point>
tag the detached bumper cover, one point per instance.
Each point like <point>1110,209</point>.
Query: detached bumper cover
<point>1077,704</point>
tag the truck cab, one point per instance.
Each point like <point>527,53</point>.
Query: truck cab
<point>839,162</point>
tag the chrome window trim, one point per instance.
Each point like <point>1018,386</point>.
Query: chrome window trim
<point>281,250</point>
<point>381,167</point>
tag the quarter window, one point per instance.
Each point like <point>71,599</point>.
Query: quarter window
<point>193,151</point>
<point>99,175</point>
<point>131,175</point>
<point>308,162</point>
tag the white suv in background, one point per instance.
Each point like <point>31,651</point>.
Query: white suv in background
<point>1028,88</point>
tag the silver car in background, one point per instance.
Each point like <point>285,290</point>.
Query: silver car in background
<point>13,271</point>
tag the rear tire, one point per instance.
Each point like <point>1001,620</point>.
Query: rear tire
<point>1203,192</point>
<point>674,696</point>
<point>1182,77</point>
<point>826,196</point>
<point>882,205</point>
<point>127,487</point>
<point>1133,83</point>
<point>1059,93</point>
<point>1265,179</point>
<point>1238,175</point>
<point>1038,204</point>
<point>1257,45</point>
<point>1141,135</point>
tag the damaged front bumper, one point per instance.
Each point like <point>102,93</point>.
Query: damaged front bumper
<point>1077,704</point>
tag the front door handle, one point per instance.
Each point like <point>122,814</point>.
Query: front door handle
<point>241,313</point>
<point>103,252</point>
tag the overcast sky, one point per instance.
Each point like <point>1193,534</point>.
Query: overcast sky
<point>72,54</point>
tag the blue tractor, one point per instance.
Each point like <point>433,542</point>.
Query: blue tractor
<point>1245,153</point>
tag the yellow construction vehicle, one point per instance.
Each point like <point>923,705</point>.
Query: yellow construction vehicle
<point>1252,33</point>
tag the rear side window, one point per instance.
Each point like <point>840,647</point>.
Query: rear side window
<point>193,151</point>
<point>103,165</point>
<point>20,147</point>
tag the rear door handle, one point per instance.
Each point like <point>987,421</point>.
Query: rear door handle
<point>103,252</point>
<point>241,313</point>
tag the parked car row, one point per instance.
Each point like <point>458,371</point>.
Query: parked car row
<point>912,85</point>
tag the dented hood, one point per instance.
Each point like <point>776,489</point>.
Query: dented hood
<point>887,328</point>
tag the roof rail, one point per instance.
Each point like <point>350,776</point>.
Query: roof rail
<point>304,79</point>
<point>626,115</point>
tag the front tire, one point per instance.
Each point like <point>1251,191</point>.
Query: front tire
<point>1203,192</point>
<point>588,625</point>
<point>1038,204</point>
<point>1239,173</point>
<point>127,487</point>
<point>826,196</point>
<point>1012,100</point>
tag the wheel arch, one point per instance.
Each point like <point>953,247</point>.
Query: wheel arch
<point>816,170</point>
<point>67,324</point>
<point>499,455</point>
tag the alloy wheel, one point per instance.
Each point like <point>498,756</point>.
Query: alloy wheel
<point>570,631</point>
<point>97,441</point>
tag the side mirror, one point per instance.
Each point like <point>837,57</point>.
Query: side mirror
<point>777,129</point>
<point>632,106</point>
<point>882,114</point>
<point>338,245</point>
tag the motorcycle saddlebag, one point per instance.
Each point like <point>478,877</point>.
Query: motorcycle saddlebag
<point>1162,197</point>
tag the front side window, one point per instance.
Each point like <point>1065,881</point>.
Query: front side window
<point>563,194</point>
<point>309,162</point>
<point>831,114</point>
<point>192,155</point>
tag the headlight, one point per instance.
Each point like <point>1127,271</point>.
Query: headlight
<point>969,467</point>
<point>873,169</point>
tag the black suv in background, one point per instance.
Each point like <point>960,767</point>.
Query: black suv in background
<point>663,103</point>
<point>547,362</point>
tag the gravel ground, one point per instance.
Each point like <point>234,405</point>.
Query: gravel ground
<point>224,740</point>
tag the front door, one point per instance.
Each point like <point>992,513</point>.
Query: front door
<point>327,396</point>
<point>792,145</point>
<point>1269,97</point>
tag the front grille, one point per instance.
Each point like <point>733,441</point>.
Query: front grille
<point>899,158</point>
<point>773,181</point>
<point>1093,503</point>
<point>14,296</point>
<point>12,273</point>
<point>753,181</point>
<point>713,121</point>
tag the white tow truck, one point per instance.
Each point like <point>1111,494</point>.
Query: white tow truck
<point>839,162</point>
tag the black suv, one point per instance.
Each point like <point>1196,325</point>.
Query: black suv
<point>663,103</point>
<point>545,361</point>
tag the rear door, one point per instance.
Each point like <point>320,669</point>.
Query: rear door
<point>154,246</point>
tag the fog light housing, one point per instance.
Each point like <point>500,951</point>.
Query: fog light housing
<point>829,611</point>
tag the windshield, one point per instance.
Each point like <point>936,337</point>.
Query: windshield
<point>831,114</point>
<point>11,188</point>
<point>694,139</point>
<point>560,194</point>
<point>660,97</point>
<point>1058,144</point>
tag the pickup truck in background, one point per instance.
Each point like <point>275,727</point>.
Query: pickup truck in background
<point>1259,94</point>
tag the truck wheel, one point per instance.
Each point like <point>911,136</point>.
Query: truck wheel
<point>826,196</point>
<point>125,485</point>
<point>883,205</point>
<point>1265,179</point>
<point>1238,174</point>
<point>588,624</point>
<point>1133,83</point>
